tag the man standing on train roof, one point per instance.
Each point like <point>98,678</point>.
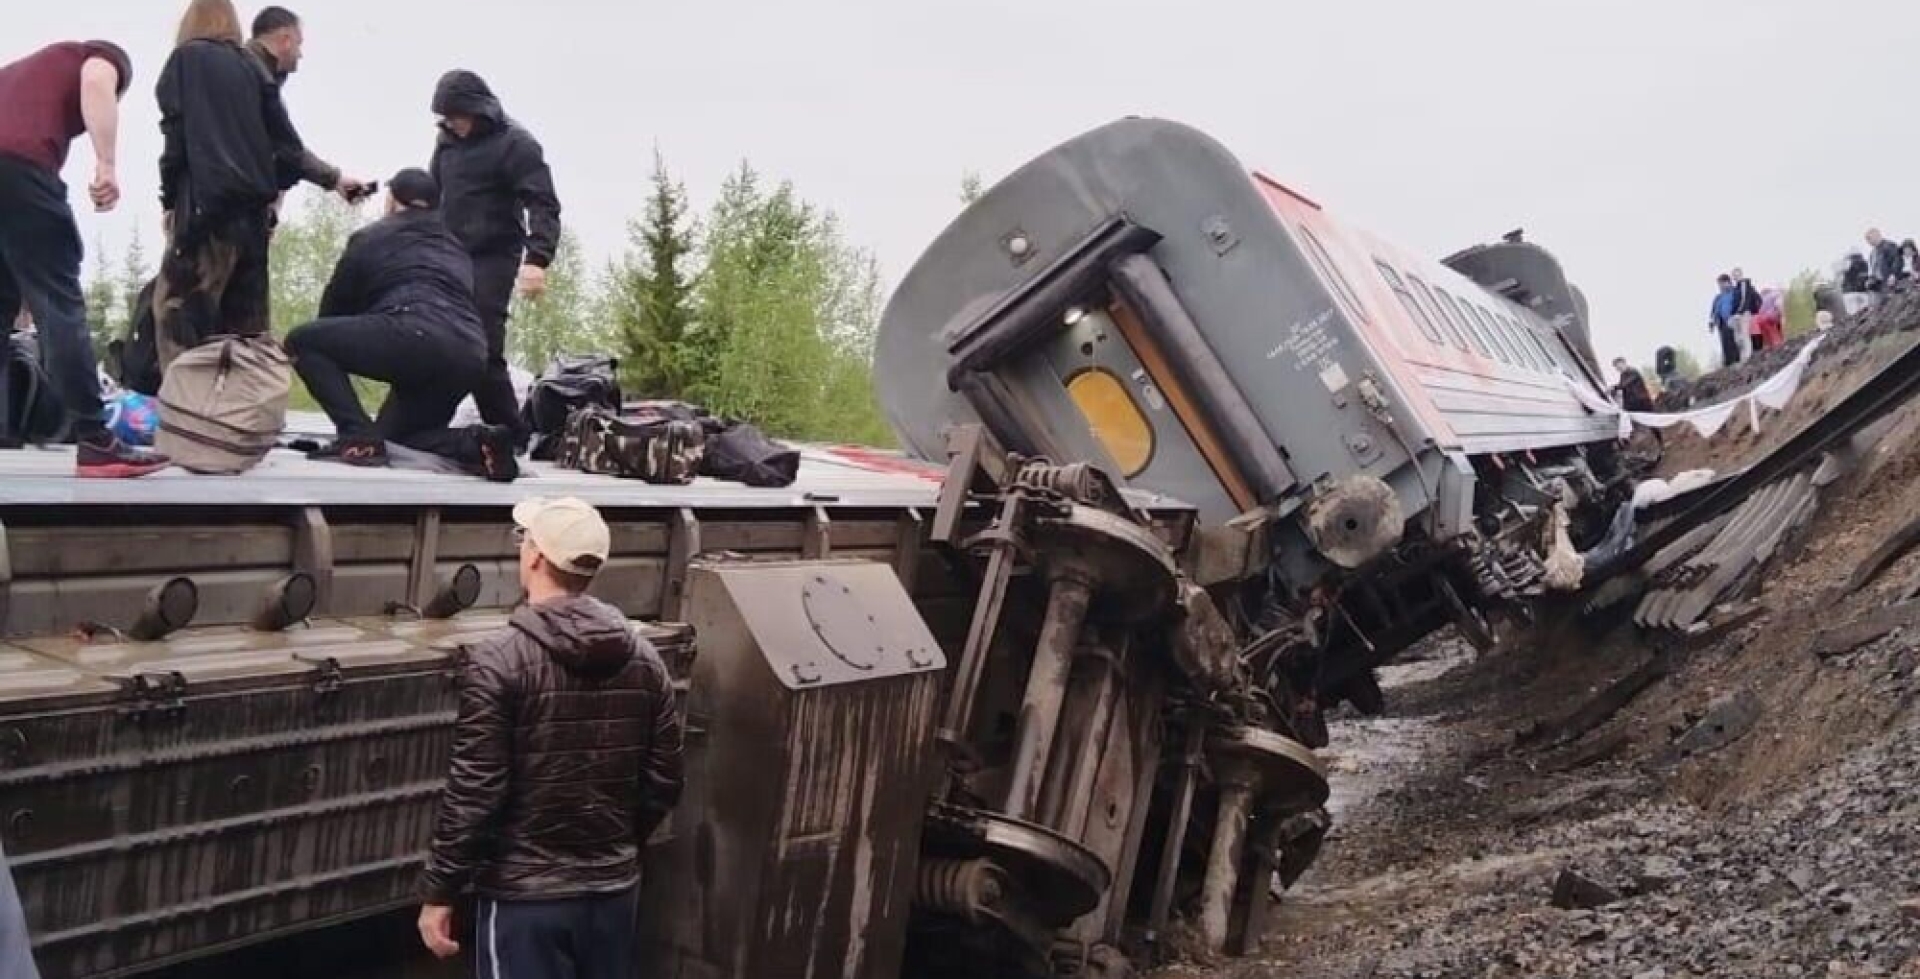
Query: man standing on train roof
<point>1884,262</point>
<point>278,41</point>
<point>566,758</point>
<point>1747,304</point>
<point>499,200</point>
<point>1726,306</point>
<point>50,98</point>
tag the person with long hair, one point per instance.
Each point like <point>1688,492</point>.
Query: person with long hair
<point>230,151</point>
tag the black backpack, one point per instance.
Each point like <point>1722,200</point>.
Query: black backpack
<point>34,412</point>
<point>139,356</point>
<point>570,384</point>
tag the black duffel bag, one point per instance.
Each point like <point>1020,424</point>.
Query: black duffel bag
<point>34,412</point>
<point>570,384</point>
<point>741,454</point>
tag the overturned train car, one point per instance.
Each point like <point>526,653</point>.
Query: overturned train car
<point>1389,440</point>
<point>970,724</point>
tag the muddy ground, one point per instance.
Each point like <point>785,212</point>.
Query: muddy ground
<point>1756,813</point>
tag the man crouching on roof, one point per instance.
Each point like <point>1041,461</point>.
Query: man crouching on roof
<point>400,309</point>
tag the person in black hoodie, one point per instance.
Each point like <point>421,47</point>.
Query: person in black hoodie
<point>499,201</point>
<point>399,309</point>
<point>230,150</point>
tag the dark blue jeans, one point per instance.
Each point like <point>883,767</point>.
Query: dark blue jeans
<point>575,938</point>
<point>40,255</point>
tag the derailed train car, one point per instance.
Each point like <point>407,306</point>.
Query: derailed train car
<point>1399,433</point>
<point>1204,457</point>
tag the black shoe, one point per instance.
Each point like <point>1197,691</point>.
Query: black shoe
<point>366,453</point>
<point>106,457</point>
<point>497,461</point>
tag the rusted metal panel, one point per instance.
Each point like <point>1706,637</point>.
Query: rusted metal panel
<point>808,866</point>
<point>162,801</point>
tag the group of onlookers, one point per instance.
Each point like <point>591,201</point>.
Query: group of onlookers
<point>420,300</point>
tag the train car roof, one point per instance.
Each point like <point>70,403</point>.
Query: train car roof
<point>831,476</point>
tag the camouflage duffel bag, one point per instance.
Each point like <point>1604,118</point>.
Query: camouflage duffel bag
<point>657,450</point>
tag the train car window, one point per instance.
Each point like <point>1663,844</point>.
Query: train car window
<point>1553,363</point>
<point>1330,271</point>
<point>1418,315</point>
<point>1467,329</point>
<point>1502,344</point>
<point>1432,306</point>
<point>1115,420</point>
<point>1530,344</point>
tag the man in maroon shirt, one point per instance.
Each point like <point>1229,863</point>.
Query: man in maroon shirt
<point>51,97</point>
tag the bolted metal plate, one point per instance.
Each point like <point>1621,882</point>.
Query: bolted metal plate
<point>845,626</point>
<point>819,624</point>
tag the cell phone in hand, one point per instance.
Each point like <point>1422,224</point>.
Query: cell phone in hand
<point>366,190</point>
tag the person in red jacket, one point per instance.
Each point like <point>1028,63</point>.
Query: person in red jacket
<point>51,97</point>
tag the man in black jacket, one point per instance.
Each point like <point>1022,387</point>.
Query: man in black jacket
<point>229,145</point>
<point>500,202</point>
<point>566,758</point>
<point>399,309</point>
<point>278,41</point>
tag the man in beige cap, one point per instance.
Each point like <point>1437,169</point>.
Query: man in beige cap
<point>566,757</point>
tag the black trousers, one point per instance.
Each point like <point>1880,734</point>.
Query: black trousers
<point>493,281</point>
<point>40,254</point>
<point>213,281</point>
<point>574,938</point>
<point>430,367</point>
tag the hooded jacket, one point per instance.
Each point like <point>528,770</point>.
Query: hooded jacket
<point>1888,263</point>
<point>310,167</point>
<point>496,191</point>
<point>229,143</point>
<point>408,261</point>
<point>566,757</point>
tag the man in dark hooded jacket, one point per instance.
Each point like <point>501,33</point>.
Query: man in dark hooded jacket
<point>499,200</point>
<point>229,147</point>
<point>399,309</point>
<point>566,758</point>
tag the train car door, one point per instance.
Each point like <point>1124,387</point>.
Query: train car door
<point>1102,377</point>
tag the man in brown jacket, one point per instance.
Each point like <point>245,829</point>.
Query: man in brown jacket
<point>566,757</point>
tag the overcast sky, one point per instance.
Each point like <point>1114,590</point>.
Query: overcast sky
<point>1651,143</point>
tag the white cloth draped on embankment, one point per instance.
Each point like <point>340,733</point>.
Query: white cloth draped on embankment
<point>1774,393</point>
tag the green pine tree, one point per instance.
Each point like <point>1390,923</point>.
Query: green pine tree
<point>650,292</point>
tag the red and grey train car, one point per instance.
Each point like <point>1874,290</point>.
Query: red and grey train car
<point>1390,430</point>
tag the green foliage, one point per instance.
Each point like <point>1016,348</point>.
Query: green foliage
<point>106,313</point>
<point>306,245</point>
<point>650,294</point>
<point>786,318</point>
<point>566,319</point>
<point>1801,306</point>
